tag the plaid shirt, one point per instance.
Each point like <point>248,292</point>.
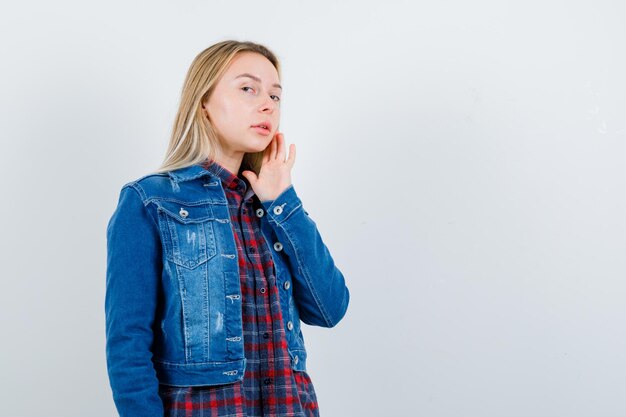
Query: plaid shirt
<point>269,387</point>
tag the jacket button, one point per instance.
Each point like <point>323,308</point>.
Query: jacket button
<point>295,360</point>
<point>183,213</point>
<point>278,210</point>
<point>259,212</point>
<point>286,285</point>
<point>290,325</point>
<point>278,246</point>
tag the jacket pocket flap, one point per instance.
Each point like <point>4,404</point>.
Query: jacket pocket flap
<point>186,213</point>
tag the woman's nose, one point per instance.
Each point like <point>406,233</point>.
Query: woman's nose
<point>268,104</point>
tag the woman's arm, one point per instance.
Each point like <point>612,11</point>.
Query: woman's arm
<point>132,277</point>
<point>320,291</point>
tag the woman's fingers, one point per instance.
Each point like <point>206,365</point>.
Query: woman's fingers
<point>292,155</point>
<point>280,143</point>
<point>273,149</point>
<point>277,150</point>
<point>267,153</point>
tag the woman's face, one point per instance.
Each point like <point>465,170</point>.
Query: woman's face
<point>248,94</point>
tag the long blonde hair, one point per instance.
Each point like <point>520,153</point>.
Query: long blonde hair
<point>194,138</point>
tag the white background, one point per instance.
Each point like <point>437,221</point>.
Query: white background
<point>464,162</point>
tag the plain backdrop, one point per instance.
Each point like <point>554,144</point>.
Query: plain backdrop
<point>464,162</point>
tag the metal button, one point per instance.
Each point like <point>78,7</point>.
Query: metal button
<point>259,212</point>
<point>295,360</point>
<point>278,246</point>
<point>286,285</point>
<point>278,210</point>
<point>183,212</point>
<point>262,290</point>
<point>290,325</point>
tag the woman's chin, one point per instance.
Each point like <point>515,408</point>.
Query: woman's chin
<point>257,145</point>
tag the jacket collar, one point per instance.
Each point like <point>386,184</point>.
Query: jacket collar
<point>216,171</point>
<point>189,173</point>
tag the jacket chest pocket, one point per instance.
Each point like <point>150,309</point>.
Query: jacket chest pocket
<point>187,233</point>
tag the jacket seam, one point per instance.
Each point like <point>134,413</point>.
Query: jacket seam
<point>144,200</point>
<point>199,363</point>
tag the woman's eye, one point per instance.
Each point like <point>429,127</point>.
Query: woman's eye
<point>277,98</point>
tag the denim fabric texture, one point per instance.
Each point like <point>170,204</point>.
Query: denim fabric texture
<point>173,297</point>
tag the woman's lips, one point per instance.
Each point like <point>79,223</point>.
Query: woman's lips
<point>261,130</point>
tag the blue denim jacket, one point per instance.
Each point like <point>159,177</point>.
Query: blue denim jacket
<point>173,296</point>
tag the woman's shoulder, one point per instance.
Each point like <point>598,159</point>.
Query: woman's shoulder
<point>148,178</point>
<point>171,184</point>
<point>184,173</point>
<point>148,184</point>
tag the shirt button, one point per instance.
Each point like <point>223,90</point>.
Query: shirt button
<point>266,335</point>
<point>252,249</point>
<point>249,200</point>
<point>267,381</point>
<point>262,290</point>
<point>278,246</point>
<point>278,210</point>
<point>259,212</point>
<point>286,285</point>
<point>290,325</point>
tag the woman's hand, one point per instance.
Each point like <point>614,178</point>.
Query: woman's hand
<point>275,174</point>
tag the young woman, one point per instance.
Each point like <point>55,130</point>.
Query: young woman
<point>212,261</point>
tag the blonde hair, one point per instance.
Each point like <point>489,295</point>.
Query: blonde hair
<point>194,138</point>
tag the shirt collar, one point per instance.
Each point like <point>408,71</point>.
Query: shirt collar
<point>229,179</point>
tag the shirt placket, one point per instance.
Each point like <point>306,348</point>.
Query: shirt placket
<point>268,380</point>
<point>265,317</point>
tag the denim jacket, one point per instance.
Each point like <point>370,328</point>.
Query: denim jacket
<point>173,296</point>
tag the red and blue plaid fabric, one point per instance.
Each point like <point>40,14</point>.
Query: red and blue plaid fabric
<point>269,387</point>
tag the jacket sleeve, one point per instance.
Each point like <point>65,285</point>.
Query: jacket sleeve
<point>319,287</point>
<point>132,276</point>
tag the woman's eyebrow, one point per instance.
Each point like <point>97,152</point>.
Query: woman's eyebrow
<point>257,79</point>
